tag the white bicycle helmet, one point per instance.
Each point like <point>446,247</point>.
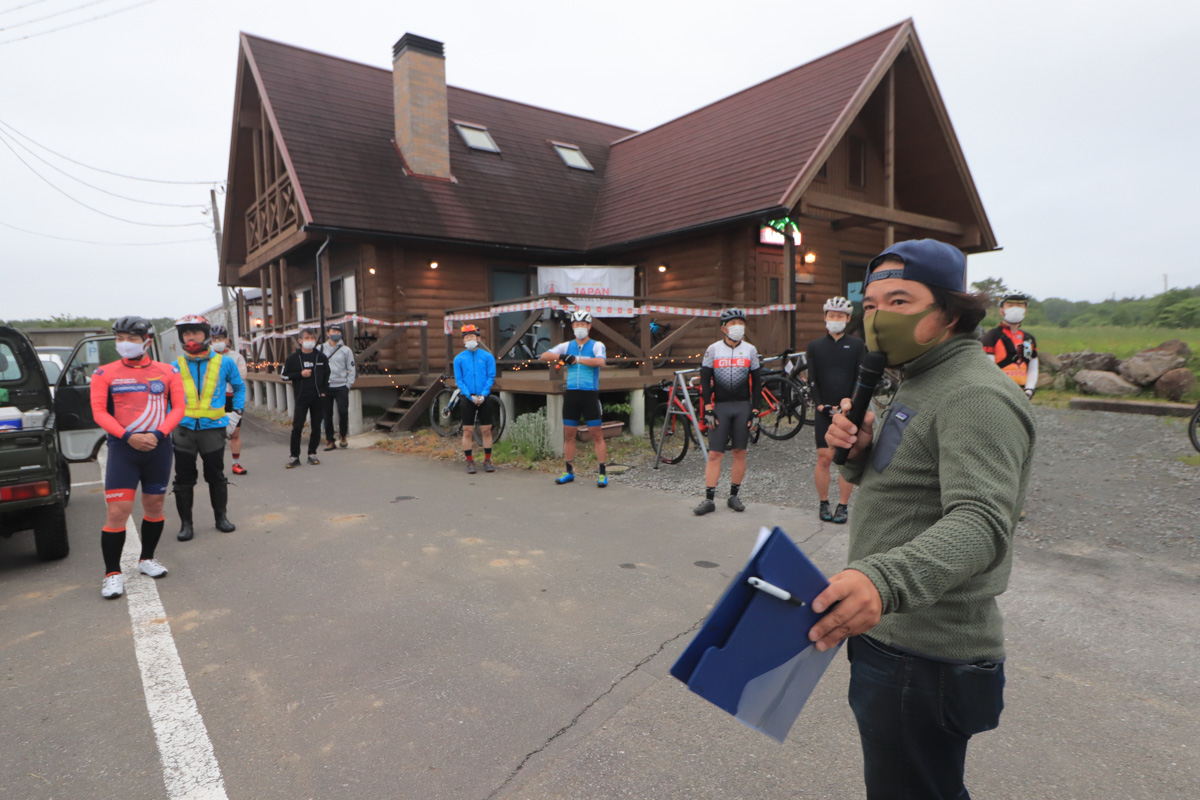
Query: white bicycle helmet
<point>581,316</point>
<point>839,304</point>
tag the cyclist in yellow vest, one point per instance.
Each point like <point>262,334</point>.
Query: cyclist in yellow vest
<point>206,424</point>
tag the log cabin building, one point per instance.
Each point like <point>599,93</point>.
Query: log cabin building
<point>397,198</point>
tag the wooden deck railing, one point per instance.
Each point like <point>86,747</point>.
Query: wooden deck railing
<point>636,345</point>
<point>271,214</point>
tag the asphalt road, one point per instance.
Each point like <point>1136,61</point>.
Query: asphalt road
<point>385,627</point>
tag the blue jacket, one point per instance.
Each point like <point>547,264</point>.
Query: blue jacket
<point>475,371</point>
<point>228,375</point>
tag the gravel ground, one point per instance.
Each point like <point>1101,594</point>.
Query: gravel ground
<point>1100,480</point>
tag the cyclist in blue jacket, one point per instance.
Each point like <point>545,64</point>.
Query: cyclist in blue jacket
<point>584,357</point>
<point>474,374</point>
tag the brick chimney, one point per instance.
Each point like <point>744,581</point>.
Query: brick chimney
<point>419,104</point>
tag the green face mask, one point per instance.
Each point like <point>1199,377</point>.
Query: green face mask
<point>894,335</point>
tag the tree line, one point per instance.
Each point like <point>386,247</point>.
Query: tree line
<point>66,321</point>
<point>1174,308</point>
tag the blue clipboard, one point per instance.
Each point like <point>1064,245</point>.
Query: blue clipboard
<point>753,658</point>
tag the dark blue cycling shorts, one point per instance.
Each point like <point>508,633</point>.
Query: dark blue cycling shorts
<point>128,467</point>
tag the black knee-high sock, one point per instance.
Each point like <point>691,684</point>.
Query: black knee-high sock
<point>151,533</point>
<point>111,544</point>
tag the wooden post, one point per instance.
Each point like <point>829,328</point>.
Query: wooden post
<point>789,260</point>
<point>424,352</point>
<point>647,365</point>
<point>889,155</point>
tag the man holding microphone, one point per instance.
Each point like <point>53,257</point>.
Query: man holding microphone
<point>941,479</point>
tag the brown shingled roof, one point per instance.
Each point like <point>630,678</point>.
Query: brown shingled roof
<point>751,153</point>
<point>736,156</point>
<point>335,120</point>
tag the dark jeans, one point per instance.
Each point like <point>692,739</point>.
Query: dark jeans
<point>341,396</point>
<point>915,717</point>
<point>311,406</point>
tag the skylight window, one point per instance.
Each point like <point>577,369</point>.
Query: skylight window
<point>573,157</point>
<point>477,137</point>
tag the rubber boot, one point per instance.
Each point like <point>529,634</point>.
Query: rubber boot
<point>219,494</point>
<point>183,503</point>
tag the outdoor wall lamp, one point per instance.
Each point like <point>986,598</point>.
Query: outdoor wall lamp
<point>372,270</point>
<point>662,267</point>
<point>810,257</point>
<point>258,322</point>
<point>433,265</point>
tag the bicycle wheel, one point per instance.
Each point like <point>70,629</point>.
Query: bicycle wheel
<point>541,346</point>
<point>442,418</point>
<point>1194,428</point>
<point>498,420</point>
<point>672,431</point>
<point>785,408</point>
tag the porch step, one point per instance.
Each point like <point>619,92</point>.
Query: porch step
<point>413,401</point>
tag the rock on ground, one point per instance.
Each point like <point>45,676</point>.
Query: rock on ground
<point>1094,381</point>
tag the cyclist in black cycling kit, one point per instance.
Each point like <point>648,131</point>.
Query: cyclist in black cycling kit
<point>731,388</point>
<point>833,362</point>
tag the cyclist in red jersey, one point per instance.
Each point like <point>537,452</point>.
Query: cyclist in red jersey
<point>138,401</point>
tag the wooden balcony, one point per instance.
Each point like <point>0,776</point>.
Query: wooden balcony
<point>272,215</point>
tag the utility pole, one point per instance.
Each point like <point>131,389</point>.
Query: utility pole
<point>233,325</point>
<point>1164,283</point>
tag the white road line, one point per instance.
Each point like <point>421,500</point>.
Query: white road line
<point>190,768</point>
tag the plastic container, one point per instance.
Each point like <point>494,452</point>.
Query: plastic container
<point>11,418</point>
<point>35,418</point>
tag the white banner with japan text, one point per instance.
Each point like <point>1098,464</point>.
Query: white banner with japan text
<point>591,288</point>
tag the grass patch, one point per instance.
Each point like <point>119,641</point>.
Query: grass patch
<point>1121,342</point>
<point>1191,461</point>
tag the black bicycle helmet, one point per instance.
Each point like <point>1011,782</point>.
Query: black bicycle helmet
<point>732,314</point>
<point>139,326</point>
<point>219,330</point>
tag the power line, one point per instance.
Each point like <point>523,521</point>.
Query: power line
<point>73,199</point>
<point>18,8</point>
<point>99,169</point>
<point>80,22</point>
<point>90,186</point>
<point>52,16</point>
<point>106,244</point>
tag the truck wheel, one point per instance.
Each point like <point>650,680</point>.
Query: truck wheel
<point>50,533</point>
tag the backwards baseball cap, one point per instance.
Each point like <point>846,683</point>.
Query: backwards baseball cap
<point>926,261</point>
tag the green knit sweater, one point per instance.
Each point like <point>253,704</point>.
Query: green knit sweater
<point>942,488</point>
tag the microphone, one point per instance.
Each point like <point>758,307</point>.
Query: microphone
<point>868,378</point>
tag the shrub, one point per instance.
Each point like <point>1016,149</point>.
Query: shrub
<point>528,435</point>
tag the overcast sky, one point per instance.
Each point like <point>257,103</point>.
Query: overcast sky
<point>1079,120</point>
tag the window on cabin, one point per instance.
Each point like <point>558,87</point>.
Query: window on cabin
<point>342,295</point>
<point>477,138</point>
<point>304,305</point>
<point>857,174</point>
<point>573,157</point>
<point>773,290</point>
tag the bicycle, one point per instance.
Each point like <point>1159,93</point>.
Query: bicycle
<point>528,347</point>
<point>787,399</point>
<point>658,332</point>
<point>675,431</point>
<point>1194,428</point>
<point>445,422</point>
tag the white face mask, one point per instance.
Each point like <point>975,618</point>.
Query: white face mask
<point>308,344</point>
<point>735,332</point>
<point>581,333</point>
<point>835,327</point>
<point>1014,315</point>
<point>131,350</point>
<point>471,344</point>
<point>219,346</point>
